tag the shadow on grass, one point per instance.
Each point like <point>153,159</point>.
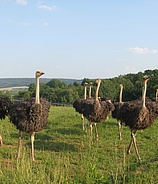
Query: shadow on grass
<point>55,146</point>
<point>26,136</point>
<point>46,142</point>
<point>68,131</point>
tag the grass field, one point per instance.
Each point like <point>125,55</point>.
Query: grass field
<point>64,155</point>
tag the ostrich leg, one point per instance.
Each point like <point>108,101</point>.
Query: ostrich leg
<point>83,125</point>
<point>130,144</point>
<point>133,140</point>
<point>135,145</point>
<point>91,129</point>
<point>120,130</point>
<point>19,143</point>
<point>96,131</point>
<point>32,145</point>
<point>1,142</point>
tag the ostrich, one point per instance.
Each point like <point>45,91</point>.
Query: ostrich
<point>5,104</point>
<point>89,96</point>
<point>116,111</point>
<point>138,115</point>
<point>95,110</point>
<point>82,117</point>
<point>77,105</point>
<point>30,115</point>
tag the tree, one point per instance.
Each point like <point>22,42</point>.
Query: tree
<point>56,83</point>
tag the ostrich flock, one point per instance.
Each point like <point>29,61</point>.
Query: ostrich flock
<point>31,115</point>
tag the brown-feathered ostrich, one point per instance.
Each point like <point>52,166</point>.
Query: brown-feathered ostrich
<point>82,117</point>
<point>95,110</point>
<point>77,106</point>
<point>138,115</point>
<point>5,104</point>
<point>30,115</point>
<point>116,111</point>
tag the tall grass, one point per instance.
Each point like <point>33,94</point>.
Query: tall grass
<point>64,154</point>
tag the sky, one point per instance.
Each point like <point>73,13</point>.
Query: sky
<point>77,39</point>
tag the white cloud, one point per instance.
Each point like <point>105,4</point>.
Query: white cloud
<point>21,1</point>
<point>49,8</point>
<point>138,50</point>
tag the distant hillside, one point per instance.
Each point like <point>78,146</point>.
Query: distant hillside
<point>13,82</point>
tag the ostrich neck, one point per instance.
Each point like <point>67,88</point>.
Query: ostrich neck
<point>37,90</point>
<point>121,95</point>
<point>144,94</point>
<point>90,92</point>
<point>85,92</point>
<point>156,95</point>
<point>97,91</point>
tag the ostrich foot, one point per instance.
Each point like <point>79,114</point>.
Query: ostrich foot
<point>1,142</point>
<point>97,137</point>
<point>85,132</point>
<point>128,152</point>
<point>120,138</point>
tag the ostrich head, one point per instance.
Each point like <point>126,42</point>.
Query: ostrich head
<point>39,73</point>
<point>146,78</point>
<point>85,84</point>
<point>121,86</point>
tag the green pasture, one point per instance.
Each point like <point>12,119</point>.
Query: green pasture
<point>65,155</point>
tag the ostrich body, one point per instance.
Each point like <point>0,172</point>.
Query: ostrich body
<point>30,115</point>
<point>116,111</point>
<point>5,105</point>
<point>95,110</point>
<point>138,115</point>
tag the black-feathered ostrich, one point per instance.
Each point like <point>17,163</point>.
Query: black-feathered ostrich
<point>116,111</point>
<point>95,110</point>
<point>138,115</point>
<point>77,106</point>
<point>5,104</point>
<point>30,115</point>
<point>82,117</point>
<point>78,103</point>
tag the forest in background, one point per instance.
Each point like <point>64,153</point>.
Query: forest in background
<point>65,91</point>
<point>13,82</point>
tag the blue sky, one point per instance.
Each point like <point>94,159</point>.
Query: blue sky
<point>78,39</point>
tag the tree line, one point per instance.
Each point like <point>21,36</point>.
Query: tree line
<point>57,91</point>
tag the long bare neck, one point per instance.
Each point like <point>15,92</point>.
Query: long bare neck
<point>121,89</point>
<point>144,93</point>
<point>156,95</point>
<point>90,91</point>
<point>85,92</point>
<point>97,91</point>
<point>37,100</point>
